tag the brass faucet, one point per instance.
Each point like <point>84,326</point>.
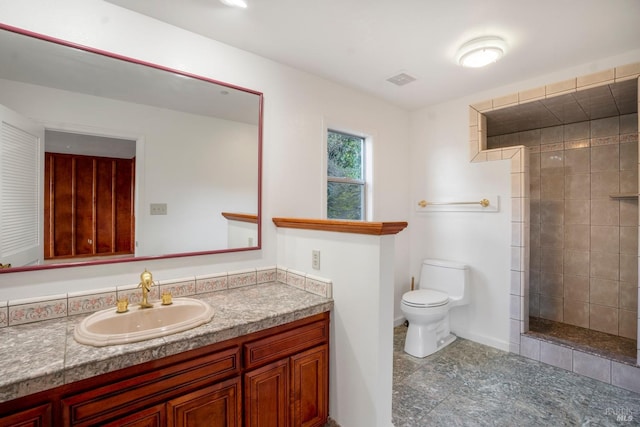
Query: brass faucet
<point>146,283</point>
<point>5,265</point>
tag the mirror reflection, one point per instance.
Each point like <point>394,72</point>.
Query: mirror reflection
<point>104,159</point>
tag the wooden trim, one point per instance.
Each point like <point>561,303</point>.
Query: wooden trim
<point>232,216</point>
<point>342,226</point>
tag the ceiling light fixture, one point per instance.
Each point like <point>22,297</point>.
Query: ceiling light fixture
<point>235,3</point>
<point>481,51</point>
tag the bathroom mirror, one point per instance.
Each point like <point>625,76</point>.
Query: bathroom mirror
<point>193,145</point>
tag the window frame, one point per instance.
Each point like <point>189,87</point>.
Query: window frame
<point>364,172</point>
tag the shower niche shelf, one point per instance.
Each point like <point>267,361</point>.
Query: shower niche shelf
<point>619,196</point>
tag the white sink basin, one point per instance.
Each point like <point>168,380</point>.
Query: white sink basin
<point>107,327</point>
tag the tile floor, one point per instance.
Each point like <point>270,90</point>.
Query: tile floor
<point>469,384</point>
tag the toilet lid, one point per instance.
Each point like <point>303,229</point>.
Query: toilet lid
<point>425,298</point>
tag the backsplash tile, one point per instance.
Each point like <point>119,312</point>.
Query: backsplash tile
<point>242,278</point>
<point>34,310</point>
<point>211,283</point>
<point>318,286</point>
<point>4,314</point>
<point>295,278</point>
<point>179,287</point>
<point>85,302</point>
<point>266,274</point>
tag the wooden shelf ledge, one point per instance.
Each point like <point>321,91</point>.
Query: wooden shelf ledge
<point>342,226</point>
<point>241,217</point>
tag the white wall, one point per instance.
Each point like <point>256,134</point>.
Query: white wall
<point>295,108</point>
<point>440,168</point>
<point>361,269</point>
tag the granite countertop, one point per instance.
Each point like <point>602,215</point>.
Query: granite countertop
<point>43,355</point>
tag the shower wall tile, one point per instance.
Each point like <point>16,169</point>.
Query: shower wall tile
<point>577,186</point>
<point>629,156</point>
<point>603,319</point>
<point>628,213</point>
<point>604,265</point>
<point>628,324</point>
<point>552,186</point>
<point>628,295</point>
<point>575,262</point>
<point>629,240</point>
<point>551,284</point>
<point>551,235</point>
<point>629,181</point>
<point>551,261</point>
<point>605,238</point>
<point>552,211</point>
<point>604,292</point>
<point>576,131</point>
<point>604,183</point>
<point>577,212</point>
<point>577,161</point>
<point>552,163</point>
<point>605,212</point>
<point>551,308</point>
<point>576,288</point>
<point>605,158</point>
<point>551,135</point>
<point>628,123</point>
<point>577,237</point>
<point>628,268</point>
<point>576,313</point>
<point>605,127</point>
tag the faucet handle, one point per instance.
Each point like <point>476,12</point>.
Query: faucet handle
<point>122,305</point>
<point>166,298</point>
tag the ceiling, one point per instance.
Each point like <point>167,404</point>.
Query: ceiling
<point>362,43</point>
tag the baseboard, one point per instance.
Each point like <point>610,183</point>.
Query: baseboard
<point>398,321</point>
<point>483,339</point>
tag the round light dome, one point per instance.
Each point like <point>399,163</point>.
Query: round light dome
<point>482,51</point>
<point>235,3</point>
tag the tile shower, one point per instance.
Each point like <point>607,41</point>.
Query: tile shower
<point>583,265</point>
<point>574,244</point>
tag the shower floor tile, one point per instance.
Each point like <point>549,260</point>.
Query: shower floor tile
<point>609,346</point>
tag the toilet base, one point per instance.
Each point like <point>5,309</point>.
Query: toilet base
<point>422,341</point>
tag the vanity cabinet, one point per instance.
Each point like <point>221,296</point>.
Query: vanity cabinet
<point>275,377</point>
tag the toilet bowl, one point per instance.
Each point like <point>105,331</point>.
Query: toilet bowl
<point>443,285</point>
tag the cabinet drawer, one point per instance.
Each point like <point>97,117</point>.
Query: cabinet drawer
<point>126,396</point>
<point>284,344</point>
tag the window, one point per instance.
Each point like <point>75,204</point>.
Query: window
<point>346,185</point>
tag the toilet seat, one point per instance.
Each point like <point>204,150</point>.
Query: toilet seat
<point>425,298</point>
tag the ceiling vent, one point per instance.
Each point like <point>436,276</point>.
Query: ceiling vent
<point>401,79</point>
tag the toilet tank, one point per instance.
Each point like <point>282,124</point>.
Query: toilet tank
<point>446,276</point>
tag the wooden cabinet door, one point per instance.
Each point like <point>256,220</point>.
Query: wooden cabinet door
<point>309,388</point>
<point>39,416</point>
<point>215,406</point>
<point>266,396</point>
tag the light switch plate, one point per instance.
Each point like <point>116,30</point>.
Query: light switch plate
<point>158,208</point>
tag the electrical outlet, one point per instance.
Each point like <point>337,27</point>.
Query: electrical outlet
<point>315,259</point>
<point>158,208</point>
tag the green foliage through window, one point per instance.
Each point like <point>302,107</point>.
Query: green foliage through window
<point>345,176</point>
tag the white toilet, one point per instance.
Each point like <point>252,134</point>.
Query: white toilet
<point>442,285</point>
